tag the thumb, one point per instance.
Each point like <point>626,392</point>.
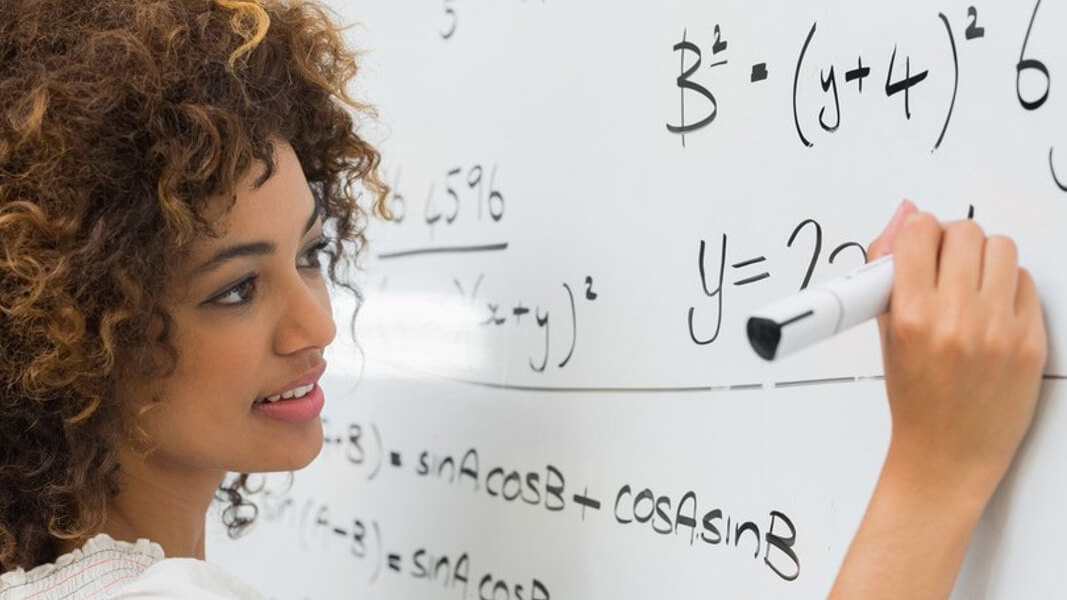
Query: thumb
<point>883,244</point>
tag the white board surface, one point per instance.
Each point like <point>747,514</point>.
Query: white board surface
<point>555,397</point>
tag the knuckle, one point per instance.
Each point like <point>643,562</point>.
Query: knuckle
<point>952,341</point>
<point>1000,340</point>
<point>964,233</point>
<point>966,229</point>
<point>1034,345</point>
<point>1030,306</point>
<point>1035,350</point>
<point>922,223</point>
<point>1016,340</point>
<point>918,229</point>
<point>908,323</point>
<point>1003,246</point>
<point>1032,352</point>
<point>957,332</point>
<point>1026,280</point>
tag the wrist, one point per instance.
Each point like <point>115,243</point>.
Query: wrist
<point>916,530</point>
<point>938,486</point>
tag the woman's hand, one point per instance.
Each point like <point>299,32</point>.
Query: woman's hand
<point>963,346</point>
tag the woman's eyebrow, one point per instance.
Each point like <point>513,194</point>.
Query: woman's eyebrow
<point>249,249</point>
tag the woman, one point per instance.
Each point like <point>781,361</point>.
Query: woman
<point>168,172</point>
<point>172,176</point>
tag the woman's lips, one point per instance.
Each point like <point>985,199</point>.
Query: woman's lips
<point>293,410</point>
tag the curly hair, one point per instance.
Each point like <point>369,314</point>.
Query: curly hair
<point>120,122</point>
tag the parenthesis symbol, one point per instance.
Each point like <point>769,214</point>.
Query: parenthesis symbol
<point>796,85</point>
<point>1052,167</point>
<point>955,85</point>
<point>378,466</point>
<point>574,327</point>
<point>378,565</point>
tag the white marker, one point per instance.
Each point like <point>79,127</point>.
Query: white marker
<point>822,311</point>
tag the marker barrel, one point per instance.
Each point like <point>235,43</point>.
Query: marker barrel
<point>822,311</point>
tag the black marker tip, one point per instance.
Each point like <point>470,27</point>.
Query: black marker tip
<point>764,335</point>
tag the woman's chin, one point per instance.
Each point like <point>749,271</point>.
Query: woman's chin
<point>290,452</point>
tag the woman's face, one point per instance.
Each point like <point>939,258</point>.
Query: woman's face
<point>252,316</point>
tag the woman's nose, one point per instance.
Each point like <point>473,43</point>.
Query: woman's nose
<point>307,316</point>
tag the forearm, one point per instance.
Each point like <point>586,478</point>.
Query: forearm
<point>914,534</point>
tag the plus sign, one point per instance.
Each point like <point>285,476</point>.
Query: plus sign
<point>859,73</point>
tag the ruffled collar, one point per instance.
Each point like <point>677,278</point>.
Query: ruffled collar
<point>100,542</point>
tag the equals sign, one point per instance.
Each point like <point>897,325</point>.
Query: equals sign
<point>754,278</point>
<point>759,72</point>
<point>394,562</point>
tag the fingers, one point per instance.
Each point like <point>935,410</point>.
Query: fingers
<point>915,251</point>
<point>883,244</point>
<point>969,283</point>
<point>956,260</point>
<point>960,263</point>
<point>1027,302</point>
<point>1000,272</point>
<point>1028,308</point>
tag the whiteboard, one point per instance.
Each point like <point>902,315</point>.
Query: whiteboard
<point>553,396</point>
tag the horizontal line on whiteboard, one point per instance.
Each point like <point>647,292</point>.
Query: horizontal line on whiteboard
<point>584,390</point>
<point>744,386</point>
<point>826,381</point>
<point>564,389</point>
<point>443,250</point>
<point>658,389</point>
<point>626,389</point>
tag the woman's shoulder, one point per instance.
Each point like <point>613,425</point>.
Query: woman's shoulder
<point>94,570</point>
<point>105,568</point>
<point>182,578</point>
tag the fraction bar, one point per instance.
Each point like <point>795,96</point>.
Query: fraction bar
<point>443,250</point>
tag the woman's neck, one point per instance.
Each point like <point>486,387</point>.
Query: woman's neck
<point>163,502</point>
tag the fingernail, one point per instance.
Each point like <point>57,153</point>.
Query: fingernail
<point>903,209</point>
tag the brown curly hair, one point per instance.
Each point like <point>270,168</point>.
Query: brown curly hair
<point>120,120</point>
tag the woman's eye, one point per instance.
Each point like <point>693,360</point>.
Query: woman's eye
<point>242,292</point>
<point>314,253</point>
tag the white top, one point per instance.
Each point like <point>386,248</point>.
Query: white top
<point>104,568</point>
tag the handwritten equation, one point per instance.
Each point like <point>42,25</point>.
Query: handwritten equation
<point>498,315</point>
<point>547,321</point>
<point>750,270</point>
<point>888,73</point>
<point>462,195</point>
<point>545,488</point>
<point>319,527</point>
